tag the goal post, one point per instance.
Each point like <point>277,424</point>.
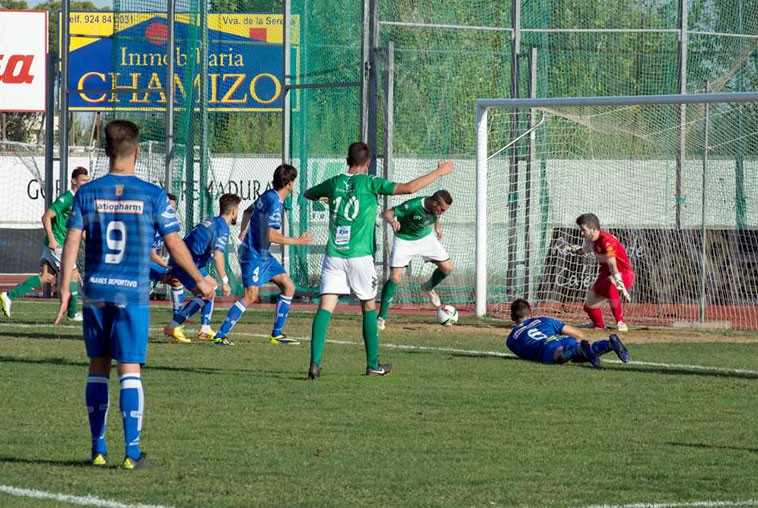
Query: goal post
<point>623,159</point>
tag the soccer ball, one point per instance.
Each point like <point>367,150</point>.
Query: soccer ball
<point>447,315</point>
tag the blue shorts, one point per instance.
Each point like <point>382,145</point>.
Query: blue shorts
<point>547,352</point>
<point>257,272</point>
<point>116,330</point>
<point>183,277</point>
<point>158,272</point>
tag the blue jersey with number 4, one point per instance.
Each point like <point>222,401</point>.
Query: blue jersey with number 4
<point>526,339</point>
<point>267,213</point>
<point>208,236</point>
<point>120,215</point>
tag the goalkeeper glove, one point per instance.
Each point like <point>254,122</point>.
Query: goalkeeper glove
<point>576,250</point>
<point>619,283</point>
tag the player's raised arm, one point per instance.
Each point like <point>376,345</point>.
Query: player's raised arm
<point>274,236</point>
<point>245,221</point>
<point>443,168</point>
<point>68,260</point>
<point>183,258</point>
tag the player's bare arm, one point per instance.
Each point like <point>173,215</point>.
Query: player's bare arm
<point>183,258</point>
<point>438,230</point>
<point>47,223</point>
<point>245,221</point>
<point>389,216</point>
<point>156,258</point>
<point>572,331</point>
<point>443,168</point>
<point>218,262</point>
<point>70,251</point>
<point>274,236</point>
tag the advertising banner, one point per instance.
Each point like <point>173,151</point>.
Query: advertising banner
<point>23,56</point>
<point>127,51</point>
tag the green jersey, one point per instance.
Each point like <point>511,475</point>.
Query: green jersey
<point>352,212</point>
<point>415,221</point>
<point>62,208</point>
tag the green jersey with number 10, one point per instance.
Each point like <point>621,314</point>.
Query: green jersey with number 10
<point>352,212</point>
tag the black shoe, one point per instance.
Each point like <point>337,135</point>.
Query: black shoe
<point>314,371</point>
<point>589,354</point>
<point>383,370</point>
<point>139,463</point>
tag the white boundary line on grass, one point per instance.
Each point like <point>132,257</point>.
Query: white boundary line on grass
<point>472,352</point>
<point>692,504</point>
<point>76,500</point>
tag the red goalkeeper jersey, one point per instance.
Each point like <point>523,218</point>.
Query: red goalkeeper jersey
<point>607,246</point>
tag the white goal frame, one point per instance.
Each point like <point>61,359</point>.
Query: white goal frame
<point>484,105</point>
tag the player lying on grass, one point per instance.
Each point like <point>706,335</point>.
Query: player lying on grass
<point>160,269</point>
<point>615,277</point>
<point>349,262</point>
<point>208,240</point>
<point>413,222</point>
<point>54,222</point>
<point>547,340</point>
<point>257,264</point>
<point>119,213</point>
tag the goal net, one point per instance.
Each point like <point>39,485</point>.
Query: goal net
<point>682,200</point>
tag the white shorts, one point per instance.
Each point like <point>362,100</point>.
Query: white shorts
<point>340,276</point>
<point>53,258</point>
<point>428,248</point>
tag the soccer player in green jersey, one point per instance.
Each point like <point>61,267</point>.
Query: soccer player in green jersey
<point>349,262</point>
<point>413,222</point>
<point>54,221</point>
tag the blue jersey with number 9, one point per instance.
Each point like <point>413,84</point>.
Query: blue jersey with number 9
<point>120,215</point>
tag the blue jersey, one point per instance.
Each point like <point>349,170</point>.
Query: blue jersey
<point>208,236</point>
<point>267,213</point>
<point>120,215</point>
<point>158,243</point>
<point>526,339</point>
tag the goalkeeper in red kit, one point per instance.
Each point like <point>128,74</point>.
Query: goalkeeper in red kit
<point>616,275</point>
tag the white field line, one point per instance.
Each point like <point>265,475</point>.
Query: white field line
<point>435,349</point>
<point>692,504</point>
<point>69,499</point>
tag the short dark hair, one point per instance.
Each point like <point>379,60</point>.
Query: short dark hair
<point>171,197</point>
<point>588,219</point>
<point>283,175</point>
<point>444,196</point>
<point>228,202</point>
<point>358,154</point>
<point>121,138</point>
<point>79,170</point>
<point>520,310</point>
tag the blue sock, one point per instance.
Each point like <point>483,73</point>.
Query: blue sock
<point>234,314</point>
<point>280,316</point>
<point>600,347</point>
<point>132,407</point>
<point>96,397</point>
<point>177,298</point>
<point>571,352</point>
<point>205,315</point>
<point>187,311</point>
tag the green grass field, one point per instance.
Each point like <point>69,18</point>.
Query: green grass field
<point>454,425</point>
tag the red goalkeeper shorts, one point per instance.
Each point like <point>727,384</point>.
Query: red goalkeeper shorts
<point>605,288</point>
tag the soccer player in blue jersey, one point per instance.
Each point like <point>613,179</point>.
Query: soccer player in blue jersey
<point>207,241</point>
<point>547,340</point>
<point>160,270</point>
<point>119,214</point>
<point>256,262</point>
